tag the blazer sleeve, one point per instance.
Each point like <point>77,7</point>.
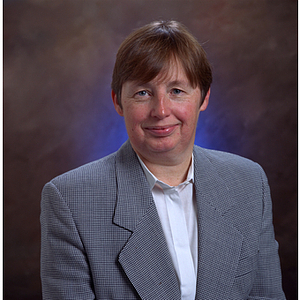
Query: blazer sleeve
<point>65,272</point>
<point>267,283</point>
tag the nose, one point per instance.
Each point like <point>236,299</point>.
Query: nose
<point>161,106</point>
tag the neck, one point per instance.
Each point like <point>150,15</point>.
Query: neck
<point>171,174</point>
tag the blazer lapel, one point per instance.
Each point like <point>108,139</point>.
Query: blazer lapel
<point>145,258</point>
<point>219,242</point>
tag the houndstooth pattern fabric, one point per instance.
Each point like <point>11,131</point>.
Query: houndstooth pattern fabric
<point>102,238</point>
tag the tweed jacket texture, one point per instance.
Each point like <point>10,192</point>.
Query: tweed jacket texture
<point>102,237</point>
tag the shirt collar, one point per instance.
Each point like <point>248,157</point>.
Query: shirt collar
<point>153,180</point>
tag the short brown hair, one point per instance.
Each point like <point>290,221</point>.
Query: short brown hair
<point>145,52</point>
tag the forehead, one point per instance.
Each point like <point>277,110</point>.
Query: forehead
<point>172,72</point>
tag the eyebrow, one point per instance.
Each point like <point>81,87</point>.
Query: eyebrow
<point>179,82</point>
<point>169,84</point>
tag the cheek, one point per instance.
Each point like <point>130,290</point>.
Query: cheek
<point>134,118</point>
<point>189,115</point>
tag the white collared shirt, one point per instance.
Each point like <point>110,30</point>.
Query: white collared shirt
<point>177,211</point>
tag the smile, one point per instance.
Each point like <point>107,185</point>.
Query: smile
<point>161,131</point>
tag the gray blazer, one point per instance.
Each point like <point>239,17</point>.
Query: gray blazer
<point>102,237</point>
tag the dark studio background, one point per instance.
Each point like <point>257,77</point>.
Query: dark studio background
<point>58,114</point>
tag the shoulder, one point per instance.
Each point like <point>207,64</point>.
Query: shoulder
<point>90,171</point>
<point>242,180</point>
<point>96,175</point>
<point>222,158</point>
<point>83,189</point>
<point>228,165</point>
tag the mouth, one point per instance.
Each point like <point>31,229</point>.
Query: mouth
<point>161,131</point>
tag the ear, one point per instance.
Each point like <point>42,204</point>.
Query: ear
<point>205,102</point>
<point>118,108</point>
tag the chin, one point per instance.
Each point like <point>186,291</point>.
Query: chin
<point>163,149</point>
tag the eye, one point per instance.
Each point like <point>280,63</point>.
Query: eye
<point>142,93</point>
<point>176,91</point>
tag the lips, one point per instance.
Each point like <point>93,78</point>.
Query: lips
<point>161,131</point>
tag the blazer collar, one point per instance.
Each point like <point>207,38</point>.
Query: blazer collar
<point>145,257</point>
<point>133,195</point>
<point>209,184</point>
<point>219,242</point>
